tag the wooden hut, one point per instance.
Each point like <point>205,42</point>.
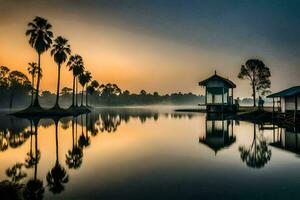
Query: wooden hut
<point>287,102</point>
<point>218,94</point>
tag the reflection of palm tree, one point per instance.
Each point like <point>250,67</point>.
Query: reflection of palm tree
<point>3,140</point>
<point>258,154</point>
<point>34,188</point>
<point>74,156</point>
<point>40,39</point>
<point>10,190</point>
<point>32,159</point>
<point>57,176</point>
<point>109,122</point>
<point>83,140</point>
<point>15,173</point>
<point>61,50</point>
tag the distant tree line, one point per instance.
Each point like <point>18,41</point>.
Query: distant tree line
<point>17,90</point>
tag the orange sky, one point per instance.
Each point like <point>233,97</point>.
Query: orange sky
<point>122,53</point>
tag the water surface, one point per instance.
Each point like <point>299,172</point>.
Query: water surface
<point>141,153</point>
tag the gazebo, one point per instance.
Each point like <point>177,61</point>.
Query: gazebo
<point>218,94</point>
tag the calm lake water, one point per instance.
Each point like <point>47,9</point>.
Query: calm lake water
<point>140,153</point>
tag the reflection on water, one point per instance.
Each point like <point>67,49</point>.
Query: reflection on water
<point>145,154</point>
<point>258,153</point>
<point>219,133</point>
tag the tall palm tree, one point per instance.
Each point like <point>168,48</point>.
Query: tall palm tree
<point>84,78</point>
<point>60,51</point>
<point>75,65</point>
<point>40,38</point>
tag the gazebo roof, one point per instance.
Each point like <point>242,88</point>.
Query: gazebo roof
<point>287,92</point>
<point>216,77</point>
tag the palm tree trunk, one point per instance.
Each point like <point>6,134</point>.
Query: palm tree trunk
<point>73,96</point>
<point>36,101</point>
<point>254,95</point>
<point>32,90</point>
<point>76,92</point>
<point>82,95</point>
<point>58,85</point>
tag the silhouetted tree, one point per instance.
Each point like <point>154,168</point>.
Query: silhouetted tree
<point>66,91</point>
<point>18,83</point>
<point>40,38</point>
<point>84,79</point>
<point>4,72</point>
<point>60,51</point>
<point>90,89</point>
<point>32,70</point>
<point>75,65</point>
<point>109,90</point>
<point>259,76</point>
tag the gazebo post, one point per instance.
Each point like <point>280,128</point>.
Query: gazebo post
<point>205,95</point>
<point>295,112</point>
<point>232,96</point>
<point>273,108</point>
<point>223,99</point>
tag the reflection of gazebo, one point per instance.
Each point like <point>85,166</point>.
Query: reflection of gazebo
<point>218,94</point>
<point>219,134</point>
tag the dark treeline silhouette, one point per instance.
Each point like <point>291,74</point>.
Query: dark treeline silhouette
<point>17,91</point>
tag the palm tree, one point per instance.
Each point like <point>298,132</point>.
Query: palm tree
<point>32,70</point>
<point>57,176</point>
<point>60,51</point>
<point>91,89</point>
<point>40,38</point>
<point>75,64</point>
<point>84,78</point>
